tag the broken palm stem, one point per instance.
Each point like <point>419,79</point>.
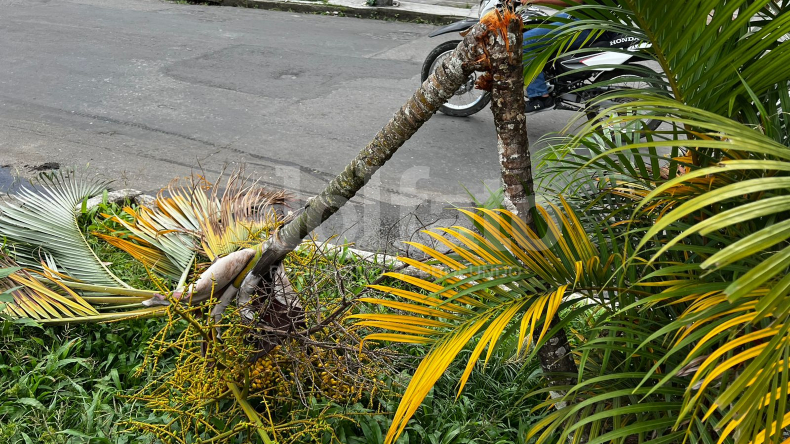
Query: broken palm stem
<point>507,106</point>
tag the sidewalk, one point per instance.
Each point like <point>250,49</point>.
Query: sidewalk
<point>433,11</point>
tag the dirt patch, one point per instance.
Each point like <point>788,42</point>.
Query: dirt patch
<point>47,166</point>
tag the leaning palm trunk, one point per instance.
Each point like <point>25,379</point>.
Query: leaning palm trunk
<point>471,55</point>
<point>493,45</point>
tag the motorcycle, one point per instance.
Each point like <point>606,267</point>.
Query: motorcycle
<point>571,89</point>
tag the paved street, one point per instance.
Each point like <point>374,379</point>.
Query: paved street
<point>146,90</point>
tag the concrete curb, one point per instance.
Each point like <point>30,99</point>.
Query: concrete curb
<point>384,260</point>
<point>380,13</point>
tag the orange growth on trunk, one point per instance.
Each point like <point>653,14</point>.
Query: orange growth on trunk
<point>495,22</point>
<point>498,22</point>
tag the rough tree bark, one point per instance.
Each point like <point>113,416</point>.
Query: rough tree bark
<point>507,105</point>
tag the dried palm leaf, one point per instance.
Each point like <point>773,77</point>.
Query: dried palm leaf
<point>193,215</point>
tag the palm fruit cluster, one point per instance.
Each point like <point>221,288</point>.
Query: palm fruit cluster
<point>267,377</point>
<point>323,373</point>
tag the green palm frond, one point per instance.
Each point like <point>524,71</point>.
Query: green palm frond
<point>730,359</point>
<point>616,398</point>
<point>708,55</point>
<point>42,227</point>
<point>743,366</point>
<point>734,335</point>
<point>697,348</point>
<point>506,279</point>
<point>748,188</point>
<point>651,177</point>
<point>711,249</point>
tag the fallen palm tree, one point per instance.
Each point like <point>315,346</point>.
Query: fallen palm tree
<point>192,219</point>
<point>492,46</point>
<point>166,238</point>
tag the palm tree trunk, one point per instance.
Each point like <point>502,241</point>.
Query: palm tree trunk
<point>493,45</point>
<point>433,93</point>
<point>507,105</point>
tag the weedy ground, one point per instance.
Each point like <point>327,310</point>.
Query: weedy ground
<point>83,384</point>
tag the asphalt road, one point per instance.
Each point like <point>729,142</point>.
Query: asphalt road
<point>144,91</point>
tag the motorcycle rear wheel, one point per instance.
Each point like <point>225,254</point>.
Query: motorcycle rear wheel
<point>467,100</point>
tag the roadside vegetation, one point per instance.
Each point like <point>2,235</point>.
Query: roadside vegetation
<point>662,256</point>
<point>149,380</point>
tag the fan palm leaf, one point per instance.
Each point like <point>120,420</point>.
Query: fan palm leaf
<point>42,227</point>
<point>44,236</point>
<point>193,215</point>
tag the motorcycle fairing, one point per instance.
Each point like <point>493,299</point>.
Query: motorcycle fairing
<point>609,59</point>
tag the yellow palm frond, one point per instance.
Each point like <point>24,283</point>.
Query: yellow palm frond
<point>34,299</point>
<point>48,298</point>
<point>506,275</point>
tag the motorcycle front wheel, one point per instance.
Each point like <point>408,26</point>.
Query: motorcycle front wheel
<point>467,100</point>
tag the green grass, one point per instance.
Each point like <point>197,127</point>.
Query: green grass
<point>494,409</point>
<point>65,385</point>
<point>62,385</point>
